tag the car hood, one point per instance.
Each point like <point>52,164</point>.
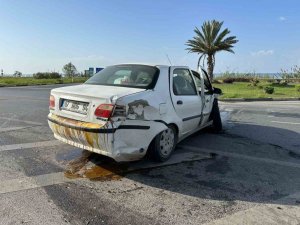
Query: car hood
<point>96,91</point>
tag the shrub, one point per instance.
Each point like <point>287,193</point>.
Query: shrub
<point>216,81</point>
<point>269,90</point>
<point>254,82</point>
<point>47,75</point>
<point>228,80</point>
<point>59,81</point>
<point>242,79</point>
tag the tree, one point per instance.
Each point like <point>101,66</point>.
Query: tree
<point>210,40</point>
<point>17,74</point>
<point>70,70</point>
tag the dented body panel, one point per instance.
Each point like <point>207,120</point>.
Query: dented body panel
<point>124,136</point>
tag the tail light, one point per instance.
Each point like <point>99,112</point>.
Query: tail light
<point>104,110</point>
<point>52,102</point>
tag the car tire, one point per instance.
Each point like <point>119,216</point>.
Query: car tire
<point>216,117</point>
<point>164,144</point>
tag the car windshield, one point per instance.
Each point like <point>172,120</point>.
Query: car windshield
<point>138,76</point>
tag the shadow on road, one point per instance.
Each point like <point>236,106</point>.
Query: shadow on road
<point>219,178</point>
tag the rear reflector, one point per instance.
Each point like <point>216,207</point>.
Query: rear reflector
<point>104,110</point>
<point>52,102</point>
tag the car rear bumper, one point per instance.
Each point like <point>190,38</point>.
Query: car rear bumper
<point>124,142</point>
<point>89,136</point>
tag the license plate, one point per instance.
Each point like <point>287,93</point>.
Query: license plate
<point>75,106</point>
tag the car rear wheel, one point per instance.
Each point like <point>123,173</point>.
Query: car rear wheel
<point>164,144</point>
<point>216,117</point>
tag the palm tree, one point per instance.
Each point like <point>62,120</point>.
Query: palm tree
<point>209,41</point>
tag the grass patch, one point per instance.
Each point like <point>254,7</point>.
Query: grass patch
<point>26,81</point>
<point>244,90</point>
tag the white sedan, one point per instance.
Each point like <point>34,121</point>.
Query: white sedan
<point>126,110</point>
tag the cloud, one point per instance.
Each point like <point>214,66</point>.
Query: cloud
<point>262,53</point>
<point>282,18</point>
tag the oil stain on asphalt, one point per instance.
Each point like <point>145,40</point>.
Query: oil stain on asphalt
<point>85,164</point>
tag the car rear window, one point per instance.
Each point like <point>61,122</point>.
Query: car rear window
<point>138,76</point>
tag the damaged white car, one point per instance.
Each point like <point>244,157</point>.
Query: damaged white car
<point>126,110</point>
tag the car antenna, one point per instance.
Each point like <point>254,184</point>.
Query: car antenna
<point>169,59</point>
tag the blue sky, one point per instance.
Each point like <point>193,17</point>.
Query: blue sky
<point>44,35</point>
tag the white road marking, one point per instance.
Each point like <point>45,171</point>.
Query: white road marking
<point>29,145</point>
<point>26,183</point>
<point>32,182</point>
<point>7,129</point>
<point>285,122</point>
<point>18,120</point>
<point>281,211</point>
<point>240,156</point>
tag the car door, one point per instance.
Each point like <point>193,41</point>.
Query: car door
<point>185,97</point>
<point>208,94</point>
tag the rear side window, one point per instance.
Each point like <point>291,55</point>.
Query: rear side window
<point>137,76</point>
<point>183,83</point>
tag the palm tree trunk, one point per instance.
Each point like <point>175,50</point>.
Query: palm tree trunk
<point>210,67</point>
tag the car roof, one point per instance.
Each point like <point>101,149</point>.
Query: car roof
<point>148,64</point>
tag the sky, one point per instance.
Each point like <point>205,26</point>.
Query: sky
<point>41,36</point>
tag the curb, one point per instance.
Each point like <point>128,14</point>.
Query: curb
<point>257,99</point>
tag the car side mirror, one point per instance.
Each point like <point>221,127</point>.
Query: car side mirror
<point>217,91</point>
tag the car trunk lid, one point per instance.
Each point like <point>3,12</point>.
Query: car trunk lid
<point>80,102</point>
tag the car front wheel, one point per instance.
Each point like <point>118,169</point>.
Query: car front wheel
<point>216,118</point>
<point>164,144</point>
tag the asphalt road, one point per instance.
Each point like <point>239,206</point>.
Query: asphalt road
<point>249,174</point>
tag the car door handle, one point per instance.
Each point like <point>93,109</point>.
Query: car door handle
<point>179,102</point>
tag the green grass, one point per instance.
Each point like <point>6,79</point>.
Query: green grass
<point>28,81</point>
<point>244,90</point>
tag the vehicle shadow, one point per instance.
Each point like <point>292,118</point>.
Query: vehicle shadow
<point>242,177</point>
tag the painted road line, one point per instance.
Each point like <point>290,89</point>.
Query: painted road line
<point>285,122</point>
<point>19,120</point>
<point>281,211</point>
<point>44,180</point>
<point>177,157</point>
<point>29,145</point>
<point>7,129</point>
<point>240,156</point>
<point>32,182</point>
<point>26,98</point>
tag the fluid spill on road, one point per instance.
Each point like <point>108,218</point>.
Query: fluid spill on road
<point>94,167</point>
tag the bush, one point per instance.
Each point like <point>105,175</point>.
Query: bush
<point>47,75</point>
<point>242,79</point>
<point>297,87</point>
<point>228,80</point>
<point>216,81</point>
<point>269,90</point>
<point>254,82</point>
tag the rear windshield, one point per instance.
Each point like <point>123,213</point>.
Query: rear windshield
<point>138,76</point>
